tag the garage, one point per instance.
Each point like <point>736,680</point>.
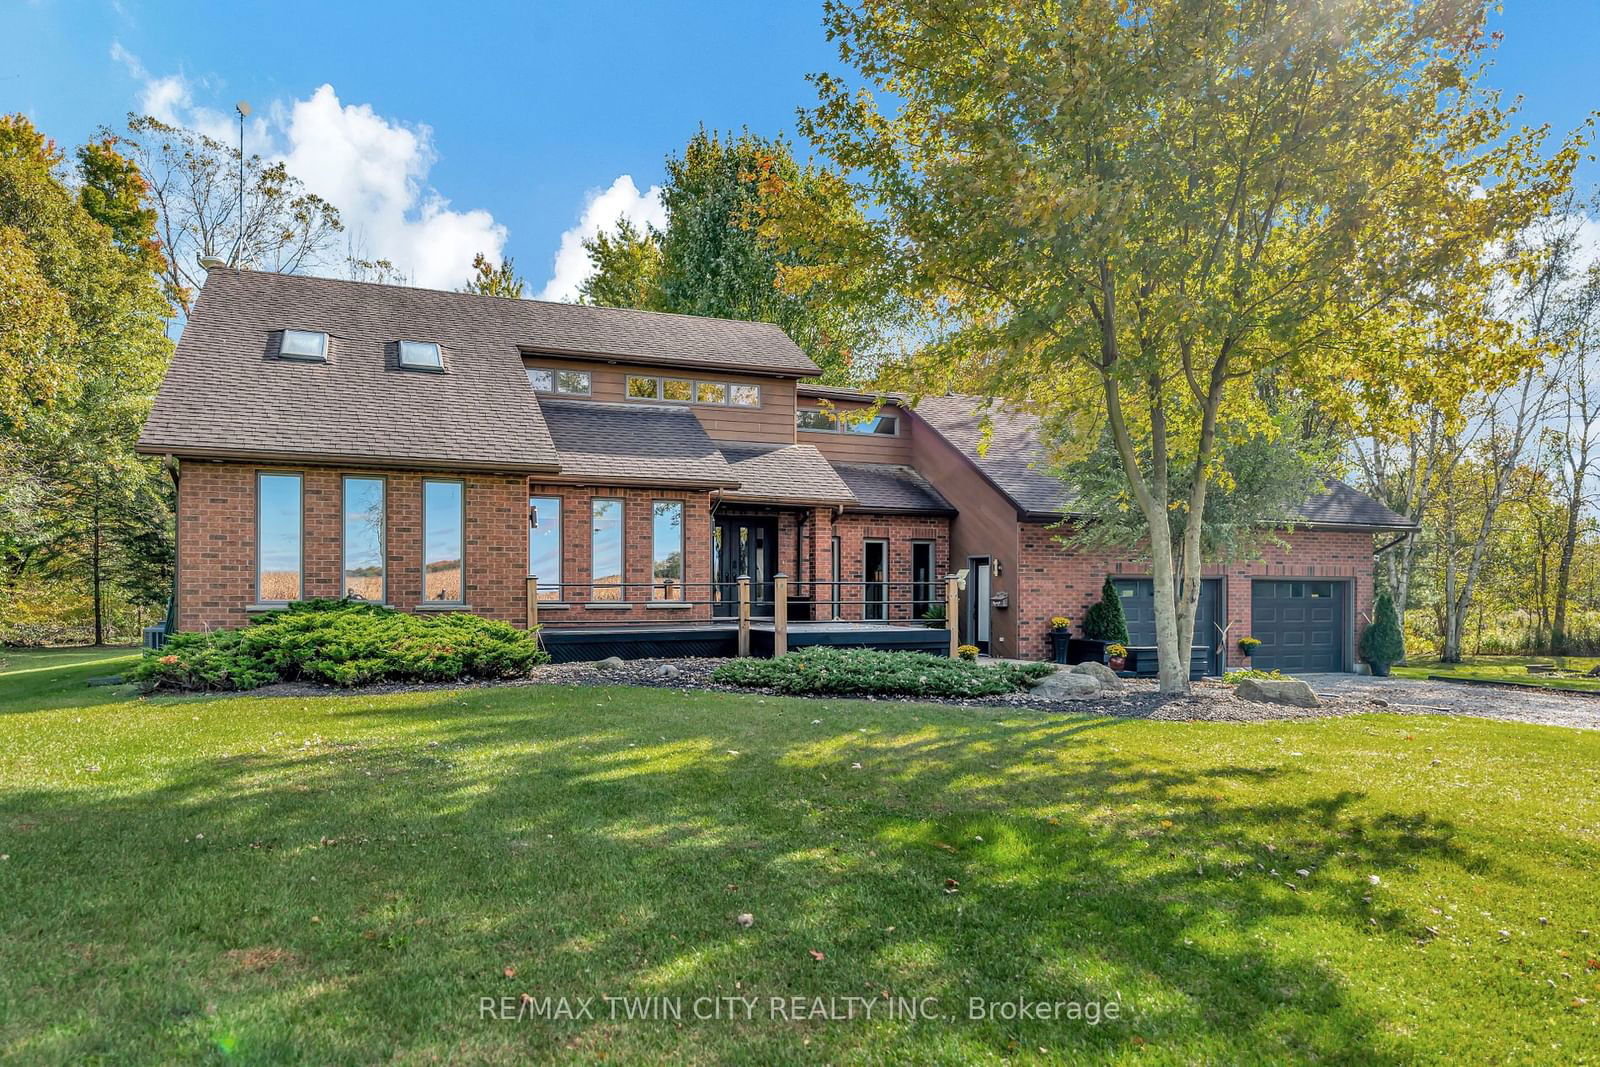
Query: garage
<point>1139,607</point>
<point>1300,624</point>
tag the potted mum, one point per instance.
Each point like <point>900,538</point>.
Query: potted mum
<point>1248,646</point>
<point>1060,635</point>
<point>1116,656</point>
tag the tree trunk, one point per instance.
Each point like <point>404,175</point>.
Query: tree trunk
<point>94,567</point>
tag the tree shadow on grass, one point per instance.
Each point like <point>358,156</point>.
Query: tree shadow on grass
<point>600,842</point>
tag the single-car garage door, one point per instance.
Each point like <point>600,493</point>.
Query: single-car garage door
<point>1300,625</point>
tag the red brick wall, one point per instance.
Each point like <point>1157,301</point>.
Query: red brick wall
<point>1056,579</point>
<point>854,528</point>
<point>217,540</point>
<point>637,555</point>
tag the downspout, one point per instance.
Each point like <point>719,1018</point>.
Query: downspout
<point>1380,550</point>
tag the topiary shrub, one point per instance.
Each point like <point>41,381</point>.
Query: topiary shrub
<point>869,672</point>
<point>344,643</point>
<point>1105,621</point>
<point>1382,643</point>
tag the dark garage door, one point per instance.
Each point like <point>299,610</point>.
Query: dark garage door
<point>1139,605</point>
<point>1300,625</point>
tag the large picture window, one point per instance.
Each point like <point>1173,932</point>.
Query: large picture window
<point>667,550</point>
<point>605,550</point>
<point>363,539</point>
<point>544,544</point>
<point>279,538</point>
<point>443,557</point>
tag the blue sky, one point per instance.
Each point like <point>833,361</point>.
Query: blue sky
<point>444,129</point>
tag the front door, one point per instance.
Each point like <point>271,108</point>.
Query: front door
<point>744,546</point>
<point>978,602</point>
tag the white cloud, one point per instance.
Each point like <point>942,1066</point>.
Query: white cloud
<point>373,169</point>
<point>601,211</point>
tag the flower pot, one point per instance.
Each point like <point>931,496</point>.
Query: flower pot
<point>1058,646</point>
<point>1117,663</point>
<point>1379,670</point>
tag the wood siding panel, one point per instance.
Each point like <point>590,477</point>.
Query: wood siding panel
<point>771,423</point>
<point>859,447</point>
<point>986,526</point>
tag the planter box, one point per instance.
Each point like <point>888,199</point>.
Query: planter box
<point>1077,649</point>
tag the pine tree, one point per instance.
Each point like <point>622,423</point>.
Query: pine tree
<point>1105,621</point>
<point>1383,644</point>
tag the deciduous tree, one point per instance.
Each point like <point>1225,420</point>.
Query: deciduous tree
<point>733,247</point>
<point>1135,213</point>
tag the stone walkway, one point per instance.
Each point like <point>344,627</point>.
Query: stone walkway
<point>1548,707</point>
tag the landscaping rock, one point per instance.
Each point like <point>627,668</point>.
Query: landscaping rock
<point>1108,679</point>
<point>1034,683</point>
<point>1065,685</point>
<point>1278,691</point>
<point>610,663</point>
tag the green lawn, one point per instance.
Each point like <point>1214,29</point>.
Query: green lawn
<point>341,879</point>
<point>1513,669</point>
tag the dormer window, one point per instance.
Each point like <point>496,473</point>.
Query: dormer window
<point>420,355</point>
<point>304,344</point>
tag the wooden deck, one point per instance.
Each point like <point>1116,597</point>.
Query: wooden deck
<point>718,639</point>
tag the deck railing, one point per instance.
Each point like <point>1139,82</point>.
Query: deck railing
<point>780,601</point>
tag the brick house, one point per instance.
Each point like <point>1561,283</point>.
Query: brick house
<point>432,450</point>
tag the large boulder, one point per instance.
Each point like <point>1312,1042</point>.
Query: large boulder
<point>1290,691</point>
<point>1108,679</point>
<point>1065,685</point>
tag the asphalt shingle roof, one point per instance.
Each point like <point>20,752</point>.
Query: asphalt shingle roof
<point>1015,452</point>
<point>892,487</point>
<point>634,443</point>
<point>797,473</point>
<point>228,394</point>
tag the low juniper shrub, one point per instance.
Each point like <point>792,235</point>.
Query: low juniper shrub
<point>344,643</point>
<point>868,672</point>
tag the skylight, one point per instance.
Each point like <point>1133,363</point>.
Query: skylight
<point>304,344</point>
<point>421,354</point>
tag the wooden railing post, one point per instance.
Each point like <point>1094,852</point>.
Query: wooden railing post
<point>952,611</point>
<point>780,614</point>
<point>533,602</point>
<point>744,615</point>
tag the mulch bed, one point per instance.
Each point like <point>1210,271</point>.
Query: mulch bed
<point>1209,701</point>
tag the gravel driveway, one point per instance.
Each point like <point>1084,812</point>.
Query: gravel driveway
<point>1547,707</point>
